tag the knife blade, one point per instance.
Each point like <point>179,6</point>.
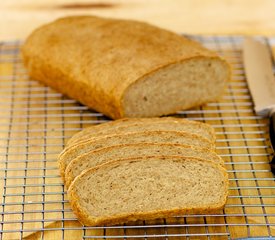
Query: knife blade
<point>261,82</point>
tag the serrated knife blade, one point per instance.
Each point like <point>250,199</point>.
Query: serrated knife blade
<point>259,74</point>
<point>261,82</point>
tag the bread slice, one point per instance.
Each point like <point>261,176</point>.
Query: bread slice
<point>72,152</point>
<point>99,127</point>
<point>103,155</point>
<point>148,188</point>
<point>124,68</point>
<point>145,124</point>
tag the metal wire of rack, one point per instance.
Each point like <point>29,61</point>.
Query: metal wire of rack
<point>36,121</point>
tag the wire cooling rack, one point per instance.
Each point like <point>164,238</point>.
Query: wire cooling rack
<point>36,121</point>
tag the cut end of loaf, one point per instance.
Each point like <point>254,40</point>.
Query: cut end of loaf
<point>176,87</point>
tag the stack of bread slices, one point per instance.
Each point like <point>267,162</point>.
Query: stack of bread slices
<point>145,168</point>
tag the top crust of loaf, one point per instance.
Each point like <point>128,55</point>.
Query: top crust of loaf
<point>86,56</point>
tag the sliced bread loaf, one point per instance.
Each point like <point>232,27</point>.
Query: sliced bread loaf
<point>145,124</point>
<point>103,155</point>
<point>72,152</point>
<point>124,68</point>
<point>147,188</point>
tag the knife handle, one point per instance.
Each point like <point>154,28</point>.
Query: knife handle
<point>272,139</point>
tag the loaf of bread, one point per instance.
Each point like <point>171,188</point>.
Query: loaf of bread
<point>124,68</point>
<point>173,137</point>
<point>145,124</point>
<point>100,156</point>
<point>139,169</point>
<point>147,188</point>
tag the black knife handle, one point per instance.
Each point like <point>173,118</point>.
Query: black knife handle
<point>272,139</point>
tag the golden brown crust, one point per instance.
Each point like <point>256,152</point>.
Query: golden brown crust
<point>77,49</point>
<point>88,220</point>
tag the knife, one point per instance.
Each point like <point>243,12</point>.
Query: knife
<point>257,60</point>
